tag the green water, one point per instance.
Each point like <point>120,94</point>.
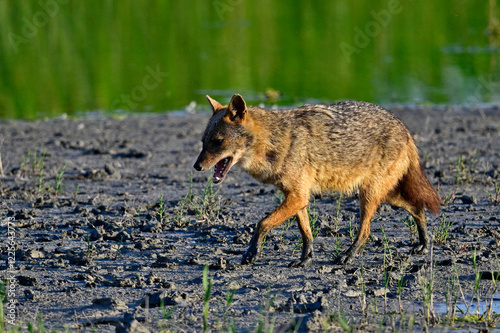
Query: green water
<point>67,56</point>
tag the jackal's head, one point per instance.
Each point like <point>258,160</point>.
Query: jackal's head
<point>225,139</point>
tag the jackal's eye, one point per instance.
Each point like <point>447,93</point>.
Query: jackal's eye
<point>217,141</point>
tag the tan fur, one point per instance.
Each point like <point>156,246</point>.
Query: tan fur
<point>341,147</point>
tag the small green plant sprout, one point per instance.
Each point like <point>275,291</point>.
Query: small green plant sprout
<point>40,328</point>
<point>477,280</point>
<point>207,288</point>
<point>75,194</point>
<point>183,205</point>
<point>459,167</point>
<point>160,209</point>
<point>340,317</point>
<point>265,323</point>
<point>164,313</point>
<point>443,230</point>
<point>427,284</point>
<point>284,228</point>
<point>484,311</point>
<point>120,246</point>
<point>351,230</point>
<point>448,198</point>
<point>313,218</point>
<point>410,223</point>
<point>494,197</point>
<point>451,296</point>
<point>462,171</point>
<point>208,205</point>
<point>386,282</point>
<point>226,323</point>
<point>39,165</point>
<point>388,258</point>
<point>362,297</point>
<point>279,197</point>
<point>262,246</point>
<point>229,301</point>
<point>32,163</point>
<point>298,244</point>
<point>336,245</point>
<point>59,177</point>
<point>400,286</point>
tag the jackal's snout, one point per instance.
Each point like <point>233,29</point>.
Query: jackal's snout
<point>221,166</point>
<point>198,165</point>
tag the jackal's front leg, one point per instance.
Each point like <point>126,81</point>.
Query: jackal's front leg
<point>292,204</point>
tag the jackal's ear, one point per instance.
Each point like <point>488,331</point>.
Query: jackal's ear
<point>237,109</point>
<point>216,106</point>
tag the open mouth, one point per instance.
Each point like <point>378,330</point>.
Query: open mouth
<point>221,169</point>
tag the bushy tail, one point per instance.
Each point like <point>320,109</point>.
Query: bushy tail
<point>415,186</point>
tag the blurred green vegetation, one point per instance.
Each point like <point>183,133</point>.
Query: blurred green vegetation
<point>66,56</point>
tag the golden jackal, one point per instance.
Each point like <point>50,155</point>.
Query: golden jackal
<point>344,146</point>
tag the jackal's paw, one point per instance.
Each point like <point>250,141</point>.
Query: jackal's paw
<point>420,249</point>
<point>301,263</point>
<point>249,256</point>
<point>343,259</point>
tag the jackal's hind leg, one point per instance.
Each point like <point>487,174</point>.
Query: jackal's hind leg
<point>305,259</point>
<point>368,203</point>
<point>396,199</point>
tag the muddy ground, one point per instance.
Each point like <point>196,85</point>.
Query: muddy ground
<point>111,232</point>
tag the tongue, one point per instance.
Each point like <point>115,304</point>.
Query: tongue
<point>220,167</point>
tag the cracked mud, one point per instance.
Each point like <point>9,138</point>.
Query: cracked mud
<point>113,228</point>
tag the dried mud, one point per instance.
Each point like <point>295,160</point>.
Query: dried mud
<point>121,242</point>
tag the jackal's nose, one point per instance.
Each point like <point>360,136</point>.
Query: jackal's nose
<point>197,166</point>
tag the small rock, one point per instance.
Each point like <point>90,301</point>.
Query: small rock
<point>324,269</point>
<point>446,262</point>
<point>162,297</point>
<point>24,214</point>
<point>233,285</point>
<point>132,327</point>
<point>109,168</point>
<point>353,293</point>
<point>195,260</point>
<point>220,265</point>
<point>27,281</point>
<point>468,200</point>
<point>379,292</point>
<point>154,279</point>
<point>29,294</point>
<point>408,280</point>
<point>80,260</point>
<point>490,275</point>
<point>111,303</point>
<point>163,261</point>
<point>35,254</point>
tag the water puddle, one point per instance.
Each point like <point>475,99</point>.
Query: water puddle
<point>477,312</point>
